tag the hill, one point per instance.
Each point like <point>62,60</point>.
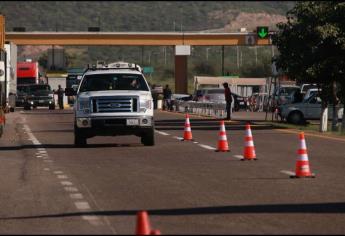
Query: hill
<point>118,16</point>
<point>133,15</point>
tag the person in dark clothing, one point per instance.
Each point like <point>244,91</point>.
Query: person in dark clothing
<point>228,99</point>
<point>167,97</point>
<point>60,93</point>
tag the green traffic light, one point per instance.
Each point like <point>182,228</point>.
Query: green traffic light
<point>262,32</point>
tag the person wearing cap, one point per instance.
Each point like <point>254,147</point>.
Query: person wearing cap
<point>228,100</point>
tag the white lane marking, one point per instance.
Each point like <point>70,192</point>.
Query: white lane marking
<point>179,138</point>
<point>238,156</point>
<point>38,156</point>
<point>66,183</point>
<point>82,206</point>
<point>207,147</point>
<point>41,149</point>
<point>46,169</point>
<point>76,196</point>
<point>93,220</point>
<point>62,177</point>
<point>58,172</point>
<point>162,133</point>
<point>287,172</point>
<point>42,152</point>
<point>71,189</point>
<point>105,218</point>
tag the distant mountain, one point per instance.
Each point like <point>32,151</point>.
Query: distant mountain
<point>140,15</point>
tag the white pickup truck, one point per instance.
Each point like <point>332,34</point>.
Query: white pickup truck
<point>113,101</point>
<point>308,109</point>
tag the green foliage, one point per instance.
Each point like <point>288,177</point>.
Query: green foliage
<point>312,44</point>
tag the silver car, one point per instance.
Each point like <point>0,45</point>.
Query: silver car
<point>308,109</point>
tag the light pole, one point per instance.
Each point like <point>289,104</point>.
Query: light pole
<point>207,53</point>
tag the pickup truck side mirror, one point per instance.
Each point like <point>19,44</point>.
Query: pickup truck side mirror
<point>70,92</point>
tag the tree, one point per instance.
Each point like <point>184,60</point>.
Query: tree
<point>312,48</point>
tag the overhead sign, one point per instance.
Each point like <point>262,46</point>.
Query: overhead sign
<point>262,32</point>
<point>182,50</point>
<point>250,40</point>
<point>148,69</point>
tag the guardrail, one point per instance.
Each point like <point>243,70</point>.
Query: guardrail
<point>201,108</point>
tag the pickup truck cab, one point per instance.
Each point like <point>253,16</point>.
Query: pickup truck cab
<point>113,101</point>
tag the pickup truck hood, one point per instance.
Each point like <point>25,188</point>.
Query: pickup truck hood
<point>115,93</point>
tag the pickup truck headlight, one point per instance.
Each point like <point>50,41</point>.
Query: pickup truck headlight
<point>84,105</point>
<point>145,105</point>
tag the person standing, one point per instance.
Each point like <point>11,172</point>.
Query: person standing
<point>167,97</point>
<point>60,93</point>
<point>228,99</point>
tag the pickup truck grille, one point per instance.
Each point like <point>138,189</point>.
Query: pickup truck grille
<point>115,104</point>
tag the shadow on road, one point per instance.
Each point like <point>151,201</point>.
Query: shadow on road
<point>209,124</point>
<point>318,208</point>
<point>32,146</point>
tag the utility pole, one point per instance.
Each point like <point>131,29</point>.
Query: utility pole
<point>222,60</point>
<point>238,63</point>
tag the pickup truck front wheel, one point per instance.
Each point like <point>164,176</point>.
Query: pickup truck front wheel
<point>79,138</point>
<point>296,118</point>
<point>148,138</point>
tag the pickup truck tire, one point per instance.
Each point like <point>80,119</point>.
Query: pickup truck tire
<point>296,117</point>
<point>79,138</point>
<point>148,138</point>
<point>51,107</point>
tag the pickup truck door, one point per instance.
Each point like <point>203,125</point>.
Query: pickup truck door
<point>313,109</point>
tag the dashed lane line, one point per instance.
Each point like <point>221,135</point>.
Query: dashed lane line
<point>238,156</point>
<point>287,172</point>
<point>207,147</point>
<point>162,133</point>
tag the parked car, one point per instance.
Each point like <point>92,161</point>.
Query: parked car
<point>34,95</point>
<point>311,92</point>
<point>285,94</point>
<point>306,87</point>
<point>309,109</point>
<point>216,95</point>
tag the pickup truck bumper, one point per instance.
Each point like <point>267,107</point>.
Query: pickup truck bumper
<point>106,126</point>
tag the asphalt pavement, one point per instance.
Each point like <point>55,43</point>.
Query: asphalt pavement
<point>48,186</point>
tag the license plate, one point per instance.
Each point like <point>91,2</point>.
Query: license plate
<point>41,101</point>
<point>242,103</point>
<point>132,122</point>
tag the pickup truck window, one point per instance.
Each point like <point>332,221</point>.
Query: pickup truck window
<point>101,82</point>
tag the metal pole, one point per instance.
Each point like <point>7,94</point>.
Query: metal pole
<point>223,60</point>
<point>256,55</point>
<point>142,55</point>
<point>165,55</point>
<point>269,95</point>
<point>238,64</point>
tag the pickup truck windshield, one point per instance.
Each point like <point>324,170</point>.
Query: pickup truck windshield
<point>101,82</point>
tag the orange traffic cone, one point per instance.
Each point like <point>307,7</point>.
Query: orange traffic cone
<point>143,224</point>
<point>249,149</point>
<point>222,141</point>
<point>187,136</point>
<point>302,164</point>
<point>155,232</point>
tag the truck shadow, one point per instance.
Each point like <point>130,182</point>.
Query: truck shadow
<point>308,208</point>
<point>63,146</point>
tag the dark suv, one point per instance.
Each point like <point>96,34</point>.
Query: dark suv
<point>34,95</point>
